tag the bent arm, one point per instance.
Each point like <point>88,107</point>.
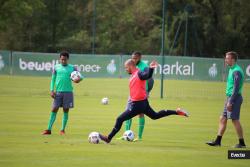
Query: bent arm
<point>146,73</point>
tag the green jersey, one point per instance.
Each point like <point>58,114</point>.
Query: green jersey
<point>230,80</point>
<point>61,80</point>
<point>141,65</point>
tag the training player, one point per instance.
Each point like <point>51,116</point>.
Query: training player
<point>138,97</point>
<point>61,91</point>
<point>136,57</point>
<point>233,101</point>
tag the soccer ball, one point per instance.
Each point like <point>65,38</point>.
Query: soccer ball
<point>128,135</point>
<point>105,101</point>
<point>75,75</point>
<point>94,138</point>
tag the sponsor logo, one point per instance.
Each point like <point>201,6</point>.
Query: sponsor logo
<point>36,66</point>
<point>48,66</point>
<point>176,69</point>
<point>111,67</point>
<point>213,71</point>
<point>1,62</point>
<point>88,68</point>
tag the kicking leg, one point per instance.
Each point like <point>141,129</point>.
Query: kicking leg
<point>157,115</point>
<point>128,122</point>
<point>128,114</point>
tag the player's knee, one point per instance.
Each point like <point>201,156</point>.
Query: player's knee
<point>55,109</point>
<point>65,110</point>
<point>119,119</point>
<point>223,119</point>
<point>235,121</point>
<point>154,117</point>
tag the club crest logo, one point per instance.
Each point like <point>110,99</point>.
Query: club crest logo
<point>111,67</point>
<point>213,71</point>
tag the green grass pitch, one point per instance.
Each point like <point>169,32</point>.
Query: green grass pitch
<point>173,141</point>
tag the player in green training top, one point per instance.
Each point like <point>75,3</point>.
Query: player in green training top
<point>136,57</point>
<point>233,102</point>
<point>61,91</point>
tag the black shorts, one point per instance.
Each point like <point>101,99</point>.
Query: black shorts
<point>63,99</point>
<point>235,113</point>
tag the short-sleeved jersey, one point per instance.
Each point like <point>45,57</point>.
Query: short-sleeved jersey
<point>61,81</point>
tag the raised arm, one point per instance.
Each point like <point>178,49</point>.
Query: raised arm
<point>148,72</point>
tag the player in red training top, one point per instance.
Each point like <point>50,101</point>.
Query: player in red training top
<point>138,96</point>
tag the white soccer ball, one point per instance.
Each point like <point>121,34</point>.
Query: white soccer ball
<point>75,75</point>
<point>94,138</point>
<point>105,101</point>
<point>129,135</point>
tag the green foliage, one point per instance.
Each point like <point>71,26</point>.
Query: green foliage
<point>123,26</point>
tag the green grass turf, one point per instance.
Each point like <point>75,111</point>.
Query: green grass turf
<point>173,141</point>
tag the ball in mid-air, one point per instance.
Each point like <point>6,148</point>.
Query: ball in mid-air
<point>129,135</point>
<point>94,138</point>
<point>75,75</point>
<point>105,101</point>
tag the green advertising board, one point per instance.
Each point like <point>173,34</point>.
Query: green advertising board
<point>5,62</point>
<point>41,64</point>
<point>186,68</point>
<point>245,64</point>
<point>180,68</point>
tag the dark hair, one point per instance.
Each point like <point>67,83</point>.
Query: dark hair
<point>233,55</point>
<point>64,53</point>
<point>136,53</point>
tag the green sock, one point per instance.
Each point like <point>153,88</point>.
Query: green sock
<point>65,120</point>
<point>141,127</point>
<point>128,124</point>
<point>52,120</point>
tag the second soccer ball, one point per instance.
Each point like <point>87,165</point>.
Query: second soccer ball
<point>105,101</point>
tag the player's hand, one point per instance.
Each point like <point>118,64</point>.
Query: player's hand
<point>78,80</point>
<point>53,94</point>
<point>229,107</point>
<point>153,64</point>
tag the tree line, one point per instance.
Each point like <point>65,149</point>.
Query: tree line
<point>204,28</point>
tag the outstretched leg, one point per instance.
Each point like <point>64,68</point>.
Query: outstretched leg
<point>131,111</point>
<point>163,113</point>
<point>128,114</point>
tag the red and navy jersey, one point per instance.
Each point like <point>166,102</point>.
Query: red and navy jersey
<point>137,84</point>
